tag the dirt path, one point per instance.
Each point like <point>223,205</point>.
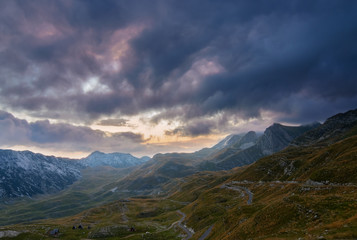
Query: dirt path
<point>182,226</point>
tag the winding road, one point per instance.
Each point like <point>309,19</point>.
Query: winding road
<point>182,226</point>
<point>205,234</point>
<point>243,190</point>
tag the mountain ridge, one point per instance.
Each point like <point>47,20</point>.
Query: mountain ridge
<point>275,138</point>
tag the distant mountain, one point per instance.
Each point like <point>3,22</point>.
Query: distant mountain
<point>200,155</point>
<point>117,160</point>
<point>26,173</point>
<point>249,148</point>
<point>150,177</point>
<point>165,169</point>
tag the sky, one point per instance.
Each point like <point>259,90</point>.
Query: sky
<point>144,77</point>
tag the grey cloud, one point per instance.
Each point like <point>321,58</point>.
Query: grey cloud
<point>270,52</point>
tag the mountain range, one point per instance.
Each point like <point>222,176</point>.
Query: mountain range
<point>22,171</point>
<point>249,148</point>
<point>290,182</point>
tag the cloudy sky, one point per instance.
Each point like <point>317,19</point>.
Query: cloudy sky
<point>159,76</point>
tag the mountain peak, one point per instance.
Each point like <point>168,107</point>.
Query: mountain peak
<point>96,153</point>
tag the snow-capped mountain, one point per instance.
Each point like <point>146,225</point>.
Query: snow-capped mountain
<point>26,173</point>
<point>117,160</point>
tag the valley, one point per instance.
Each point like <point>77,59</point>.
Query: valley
<point>307,190</point>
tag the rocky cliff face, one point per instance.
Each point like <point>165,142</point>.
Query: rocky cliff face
<point>26,173</point>
<point>278,137</point>
<point>117,160</point>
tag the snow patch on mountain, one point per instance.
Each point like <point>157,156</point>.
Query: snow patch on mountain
<point>26,173</point>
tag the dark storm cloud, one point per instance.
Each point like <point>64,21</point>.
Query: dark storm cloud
<point>15,131</point>
<point>279,56</point>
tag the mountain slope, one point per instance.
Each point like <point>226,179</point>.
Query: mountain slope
<point>330,156</point>
<point>306,191</point>
<point>153,175</point>
<point>228,141</point>
<point>27,174</point>
<point>166,170</point>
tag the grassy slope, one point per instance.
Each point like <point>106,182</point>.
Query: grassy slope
<point>90,191</point>
<point>285,209</point>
